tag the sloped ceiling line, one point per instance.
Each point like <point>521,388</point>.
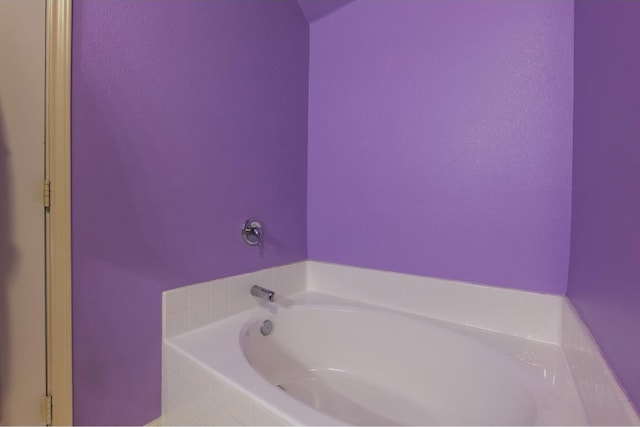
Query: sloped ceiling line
<point>316,9</point>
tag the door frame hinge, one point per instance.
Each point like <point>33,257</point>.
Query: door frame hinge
<point>46,193</point>
<point>47,410</point>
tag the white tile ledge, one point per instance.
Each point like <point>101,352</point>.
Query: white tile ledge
<point>513,312</point>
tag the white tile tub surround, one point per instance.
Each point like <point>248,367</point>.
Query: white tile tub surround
<point>193,394</point>
<point>193,306</point>
<point>507,311</point>
<point>604,400</point>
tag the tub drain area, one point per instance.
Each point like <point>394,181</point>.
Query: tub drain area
<point>266,328</point>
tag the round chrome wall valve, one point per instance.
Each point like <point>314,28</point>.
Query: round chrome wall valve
<point>252,232</point>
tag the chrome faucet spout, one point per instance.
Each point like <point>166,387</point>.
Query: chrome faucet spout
<point>260,292</point>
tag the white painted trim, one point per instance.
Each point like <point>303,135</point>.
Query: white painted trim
<point>58,222</point>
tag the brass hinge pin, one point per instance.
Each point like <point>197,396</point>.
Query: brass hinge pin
<point>46,193</point>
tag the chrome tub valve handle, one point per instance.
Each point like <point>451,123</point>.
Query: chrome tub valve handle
<point>252,232</point>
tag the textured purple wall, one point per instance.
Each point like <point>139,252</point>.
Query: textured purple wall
<point>188,117</point>
<point>440,139</point>
<point>604,274</point>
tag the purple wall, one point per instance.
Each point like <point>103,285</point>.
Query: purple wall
<point>188,117</point>
<point>440,139</point>
<point>604,274</point>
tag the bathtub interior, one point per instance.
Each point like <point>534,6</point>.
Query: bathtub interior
<point>366,367</point>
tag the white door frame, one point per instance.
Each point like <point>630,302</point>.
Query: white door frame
<point>58,218</point>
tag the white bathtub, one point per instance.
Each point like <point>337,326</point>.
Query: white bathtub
<point>330,361</point>
<point>410,350</point>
